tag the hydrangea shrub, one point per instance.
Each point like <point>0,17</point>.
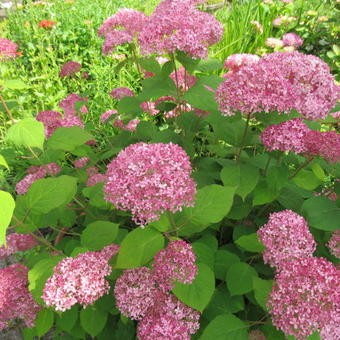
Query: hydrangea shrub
<point>211,210</point>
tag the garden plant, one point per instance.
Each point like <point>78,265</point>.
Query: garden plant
<point>178,179</point>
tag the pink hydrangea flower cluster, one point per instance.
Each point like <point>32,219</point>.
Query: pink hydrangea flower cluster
<point>334,243</point>
<point>306,298</point>
<point>175,263</point>
<point>150,108</point>
<point>274,42</point>
<point>286,236</point>
<point>143,294</point>
<point>8,49</point>
<point>106,115</point>
<point>94,176</point>
<point>286,136</point>
<point>121,28</point>
<point>280,81</point>
<point>121,92</point>
<point>17,242</point>
<point>80,279</point>
<point>16,302</point>
<point>169,319</point>
<point>69,69</point>
<point>130,126</point>
<point>34,174</point>
<point>81,162</point>
<point>54,119</point>
<point>294,135</point>
<point>178,25</point>
<point>183,80</point>
<point>149,179</point>
<point>292,39</point>
<point>235,61</point>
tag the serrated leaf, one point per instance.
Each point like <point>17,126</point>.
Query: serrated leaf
<point>28,132</point>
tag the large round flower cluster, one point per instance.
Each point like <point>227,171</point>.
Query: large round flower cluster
<point>306,298</point>
<point>143,294</point>
<point>54,119</point>
<point>149,179</point>
<point>132,23</point>
<point>80,279</point>
<point>178,25</point>
<point>16,302</point>
<point>69,69</point>
<point>286,236</point>
<point>280,81</point>
<point>294,135</point>
<point>17,242</point>
<point>8,49</point>
<point>35,173</point>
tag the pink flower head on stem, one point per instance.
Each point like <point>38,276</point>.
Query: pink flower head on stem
<point>69,69</point>
<point>17,242</point>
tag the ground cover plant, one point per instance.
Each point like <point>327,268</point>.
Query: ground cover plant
<point>198,201</point>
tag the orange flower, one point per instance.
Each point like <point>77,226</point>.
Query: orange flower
<point>46,23</point>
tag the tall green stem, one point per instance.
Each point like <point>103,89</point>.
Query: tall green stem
<point>238,156</point>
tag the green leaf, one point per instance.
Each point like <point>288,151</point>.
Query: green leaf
<point>197,294</point>
<point>212,204</point>
<point>225,327</point>
<point>318,171</point>
<point>261,290</point>
<point>150,64</point>
<point>50,193</point>
<point>139,247</point>
<point>96,195</point>
<point>99,234</point>
<point>68,138</point>
<point>204,254</point>
<point>67,320</point>
<point>306,179</point>
<point>157,86</point>
<point>240,278</point>
<point>321,213</point>
<point>209,65</point>
<point>39,274</point>
<point>201,98</point>
<point>263,194</point>
<point>28,132</point>
<point>250,243</point>
<point>129,105</point>
<point>7,208</point>
<point>223,260</point>
<point>44,321</point>
<point>3,161</point>
<point>244,176</point>
<point>92,320</point>
<point>222,303</point>
<point>14,84</point>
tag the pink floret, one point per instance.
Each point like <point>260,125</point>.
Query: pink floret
<point>17,242</point>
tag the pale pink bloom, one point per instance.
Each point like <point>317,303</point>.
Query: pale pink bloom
<point>69,105</point>
<point>22,186</point>
<point>169,319</point>
<point>130,126</point>
<point>135,292</point>
<point>51,169</point>
<point>81,162</point>
<point>175,263</point>
<point>8,49</point>
<point>283,20</point>
<point>336,115</point>
<point>334,243</point>
<point>94,179</point>
<point>16,302</point>
<point>235,61</point>
<point>149,179</point>
<point>305,297</point>
<point>150,108</point>
<point>79,280</point>
<point>280,81</point>
<point>106,115</point>
<point>71,120</point>
<point>286,236</point>
<point>51,121</point>
<point>121,92</point>
<point>92,170</point>
<point>274,42</point>
<point>178,25</point>
<point>292,39</point>
<point>182,79</point>
<point>331,331</point>
<point>69,69</point>
<point>17,242</point>
<point>257,25</point>
<point>287,136</point>
<point>115,38</point>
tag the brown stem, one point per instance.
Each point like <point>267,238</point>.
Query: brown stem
<point>303,165</point>
<point>6,108</point>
